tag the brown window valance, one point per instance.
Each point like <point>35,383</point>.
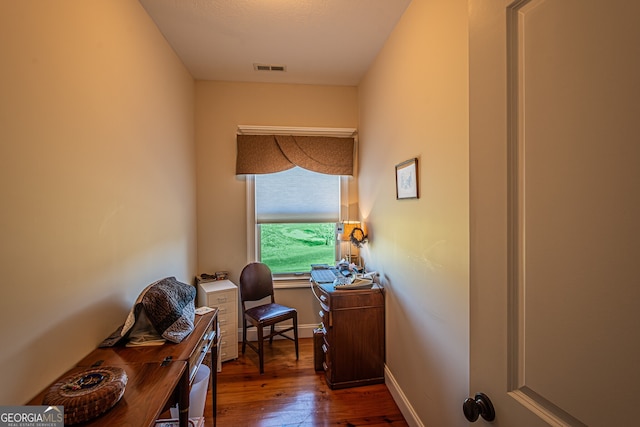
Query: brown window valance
<point>259,154</point>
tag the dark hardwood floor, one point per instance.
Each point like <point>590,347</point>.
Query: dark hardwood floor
<point>292,393</point>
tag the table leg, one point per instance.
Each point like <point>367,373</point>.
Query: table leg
<point>183,397</point>
<point>214,380</point>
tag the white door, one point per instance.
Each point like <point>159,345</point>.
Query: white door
<point>555,211</point>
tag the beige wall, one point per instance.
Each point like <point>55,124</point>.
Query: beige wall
<point>97,178</point>
<point>222,217</point>
<point>413,102</point>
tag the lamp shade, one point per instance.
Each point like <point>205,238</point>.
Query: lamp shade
<point>347,228</point>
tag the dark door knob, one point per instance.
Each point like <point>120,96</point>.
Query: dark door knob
<point>480,406</point>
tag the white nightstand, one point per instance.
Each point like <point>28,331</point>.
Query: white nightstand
<point>223,294</point>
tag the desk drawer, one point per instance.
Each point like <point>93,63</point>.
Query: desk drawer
<point>227,313</point>
<point>226,310</point>
<point>200,351</point>
<point>229,336</point>
<point>228,351</point>
<point>220,298</point>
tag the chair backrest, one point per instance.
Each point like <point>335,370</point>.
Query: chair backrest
<point>256,282</point>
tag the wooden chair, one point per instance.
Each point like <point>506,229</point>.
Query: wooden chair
<point>256,283</point>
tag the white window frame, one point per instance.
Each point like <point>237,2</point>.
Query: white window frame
<point>252,241</point>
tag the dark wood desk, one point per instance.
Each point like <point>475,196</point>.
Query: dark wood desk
<point>158,375</point>
<point>353,341</point>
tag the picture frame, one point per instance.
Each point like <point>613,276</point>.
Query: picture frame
<point>407,179</point>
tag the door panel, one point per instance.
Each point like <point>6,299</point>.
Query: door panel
<point>555,203</point>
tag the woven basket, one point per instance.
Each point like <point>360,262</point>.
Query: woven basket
<point>87,394</point>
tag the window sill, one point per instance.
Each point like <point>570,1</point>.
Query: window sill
<point>291,282</point>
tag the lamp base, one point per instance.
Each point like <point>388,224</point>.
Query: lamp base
<point>352,259</point>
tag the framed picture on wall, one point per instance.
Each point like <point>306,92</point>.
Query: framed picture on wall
<point>407,179</point>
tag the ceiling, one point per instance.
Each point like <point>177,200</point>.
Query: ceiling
<point>325,42</point>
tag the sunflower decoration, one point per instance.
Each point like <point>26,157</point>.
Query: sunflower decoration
<point>357,237</point>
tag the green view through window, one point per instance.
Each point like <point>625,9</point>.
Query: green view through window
<point>291,248</point>
<point>296,212</point>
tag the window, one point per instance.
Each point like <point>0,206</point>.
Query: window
<point>292,210</point>
<point>295,215</point>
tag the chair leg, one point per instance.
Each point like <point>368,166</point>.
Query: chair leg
<point>295,333</point>
<point>261,348</point>
<point>244,335</point>
<point>273,329</point>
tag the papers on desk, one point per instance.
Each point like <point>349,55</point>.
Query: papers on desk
<point>145,340</point>
<point>357,283</point>
<point>203,310</point>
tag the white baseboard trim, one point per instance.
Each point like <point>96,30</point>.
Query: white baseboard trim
<point>401,400</point>
<point>304,331</point>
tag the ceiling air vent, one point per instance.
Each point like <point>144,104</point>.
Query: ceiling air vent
<point>269,67</point>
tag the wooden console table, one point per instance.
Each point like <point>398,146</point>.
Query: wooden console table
<point>157,375</point>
